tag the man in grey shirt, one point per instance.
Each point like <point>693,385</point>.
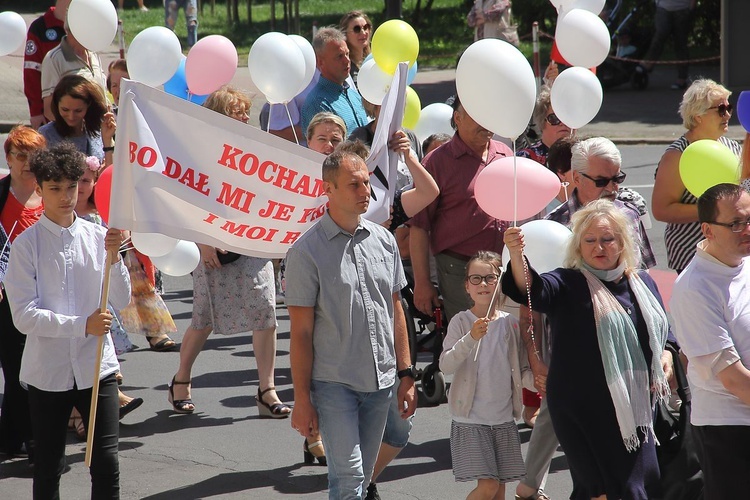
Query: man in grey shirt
<point>348,332</point>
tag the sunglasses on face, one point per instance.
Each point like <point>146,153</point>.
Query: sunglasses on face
<point>723,109</point>
<point>359,29</point>
<point>553,120</point>
<point>477,279</point>
<point>604,182</point>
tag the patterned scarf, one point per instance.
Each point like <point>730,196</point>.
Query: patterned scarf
<point>624,365</point>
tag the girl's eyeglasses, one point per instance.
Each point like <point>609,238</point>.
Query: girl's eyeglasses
<point>477,279</point>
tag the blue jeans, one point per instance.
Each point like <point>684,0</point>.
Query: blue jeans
<point>397,429</point>
<point>351,423</point>
<point>172,8</point>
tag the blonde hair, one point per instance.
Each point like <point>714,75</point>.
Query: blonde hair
<point>698,98</point>
<point>325,117</point>
<point>621,226</point>
<point>227,97</point>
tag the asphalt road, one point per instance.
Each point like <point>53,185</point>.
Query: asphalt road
<point>225,451</point>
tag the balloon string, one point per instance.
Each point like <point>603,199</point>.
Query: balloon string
<point>565,190</point>
<point>296,139</point>
<point>515,186</point>
<point>527,279</point>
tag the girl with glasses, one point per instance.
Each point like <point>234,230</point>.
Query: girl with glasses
<point>483,350</point>
<point>705,112</point>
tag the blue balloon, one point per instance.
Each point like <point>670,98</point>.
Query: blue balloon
<point>743,109</point>
<point>412,73</point>
<point>177,86</point>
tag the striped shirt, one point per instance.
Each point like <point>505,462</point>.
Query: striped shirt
<point>681,239</point>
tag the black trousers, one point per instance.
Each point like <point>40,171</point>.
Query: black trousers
<point>15,423</point>
<point>49,418</point>
<point>724,452</point>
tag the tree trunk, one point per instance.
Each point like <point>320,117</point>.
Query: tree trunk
<point>297,27</point>
<point>236,11</point>
<point>250,12</point>
<point>273,15</point>
<point>229,12</point>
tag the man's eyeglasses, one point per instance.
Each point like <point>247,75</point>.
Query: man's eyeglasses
<point>604,182</point>
<point>553,120</point>
<point>477,279</point>
<point>20,156</point>
<point>736,227</point>
<point>359,29</point>
<point>723,109</point>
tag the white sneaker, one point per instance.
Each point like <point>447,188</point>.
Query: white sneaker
<point>144,9</point>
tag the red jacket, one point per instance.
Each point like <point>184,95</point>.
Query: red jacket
<point>44,35</point>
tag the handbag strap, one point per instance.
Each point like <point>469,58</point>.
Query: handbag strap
<point>683,387</point>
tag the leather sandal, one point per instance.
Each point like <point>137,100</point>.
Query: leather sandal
<point>183,406</point>
<point>163,345</point>
<point>274,410</point>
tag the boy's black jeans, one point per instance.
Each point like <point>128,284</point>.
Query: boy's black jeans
<point>50,412</point>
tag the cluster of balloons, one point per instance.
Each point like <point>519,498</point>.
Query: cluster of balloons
<point>281,66</point>
<point>173,257</point>
<point>583,40</point>
<point>393,42</point>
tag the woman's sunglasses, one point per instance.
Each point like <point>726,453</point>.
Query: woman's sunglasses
<point>359,29</point>
<point>553,120</point>
<point>723,109</point>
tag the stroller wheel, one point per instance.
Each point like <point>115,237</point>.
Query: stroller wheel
<point>433,384</point>
<point>639,80</point>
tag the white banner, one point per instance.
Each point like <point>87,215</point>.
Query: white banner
<point>197,175</point>
<point>382,162</point>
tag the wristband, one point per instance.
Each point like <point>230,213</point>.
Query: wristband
<point>108,149</point>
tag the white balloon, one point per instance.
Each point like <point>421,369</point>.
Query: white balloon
<point>277,67</point>
<point>310,63</point>
<point>582,38</point>
<point>496,86</point>
<point>576,96</point>
<point>180,261</point>
<point>546,245</point>
<point>93,23</point>
<point>373,83</point>
<point>154,56</point>
<point>12,32</point>
<point>153,244</point>
<point>434,119</point>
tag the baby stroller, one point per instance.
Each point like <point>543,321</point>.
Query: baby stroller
<point>628,41</point>
<point>426,334</point>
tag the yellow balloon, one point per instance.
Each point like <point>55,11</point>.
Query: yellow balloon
<point>393,42</point>
<point>413,109</point>
<point>706,163</point>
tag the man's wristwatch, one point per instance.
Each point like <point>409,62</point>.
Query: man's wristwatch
<point>409,371</point>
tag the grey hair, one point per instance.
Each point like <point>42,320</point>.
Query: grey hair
<point>595,147</point>
<point>325,35</point>
<point>621,226</point>
<point>543,103</point>
<point>698,98</point>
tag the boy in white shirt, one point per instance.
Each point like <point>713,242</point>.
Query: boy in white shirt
<point>54,283</point>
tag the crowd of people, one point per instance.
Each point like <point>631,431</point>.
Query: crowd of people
<point>583,361</point>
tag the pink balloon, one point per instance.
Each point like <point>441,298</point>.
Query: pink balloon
<point>493,189</point>
<point>210,64</point>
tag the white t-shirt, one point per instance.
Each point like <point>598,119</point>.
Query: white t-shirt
<point>710,306</point>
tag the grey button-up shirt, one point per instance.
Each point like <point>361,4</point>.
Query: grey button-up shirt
<point>349,279</point>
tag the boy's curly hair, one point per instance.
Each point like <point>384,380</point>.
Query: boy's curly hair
<point>61,162</point>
